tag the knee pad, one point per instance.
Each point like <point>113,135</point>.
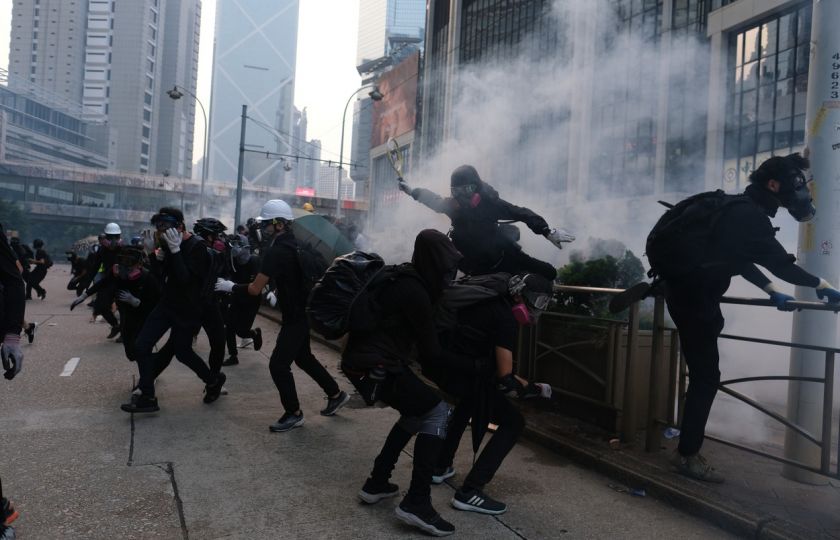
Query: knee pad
<point>434,422</point>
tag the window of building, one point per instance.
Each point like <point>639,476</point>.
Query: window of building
<point>768,82</point>
<point>147,115</point>
<point>146,132</point>
<point>147,98</point>
<point>144,149</point>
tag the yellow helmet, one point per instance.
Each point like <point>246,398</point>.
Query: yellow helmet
<point>308,207</point>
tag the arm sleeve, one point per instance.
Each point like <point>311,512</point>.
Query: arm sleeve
<point>433,201</point>
<point>755,276</point>
<point>530,218</point>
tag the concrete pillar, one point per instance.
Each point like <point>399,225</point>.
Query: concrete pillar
<point>819,240</point>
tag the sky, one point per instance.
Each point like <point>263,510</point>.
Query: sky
<point>326,58</point>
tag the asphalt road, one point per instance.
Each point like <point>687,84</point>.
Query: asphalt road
<point>79,467</point>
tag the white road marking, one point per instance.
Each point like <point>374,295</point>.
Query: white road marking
<point>70,367</point>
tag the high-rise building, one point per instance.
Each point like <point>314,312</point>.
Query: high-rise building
<point>179,67</point>
<point>389,32</point>
<point>254,65</point>
<point>117,59</point>
<point>48,46</point>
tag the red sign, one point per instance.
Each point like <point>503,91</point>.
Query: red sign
<point>305,191</point>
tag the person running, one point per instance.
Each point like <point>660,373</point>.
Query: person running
<point>104,259</point>
<point>42,262</point>
<point>280,262</point>
<point>480,320</point>
<point>185,264</point>
<point>377,363</point>
<point>240,312</point>
<point>476,210</point>
<point>12,311</point>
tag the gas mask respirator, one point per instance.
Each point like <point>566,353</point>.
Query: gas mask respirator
<point>796,198</point>
<point>467,195</point>
<point>533,294</point>
<point>126,273</point>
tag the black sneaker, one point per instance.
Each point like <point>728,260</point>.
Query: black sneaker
<point>287,422</point>
<point>231,361</point>
<point>30,331</point>
<point>476,501</point>
<point>7,512</point>
<point>334,404</point>
<point>141,404</point>
<point>424,518</point>
<point>439,475</point>
<point>373,492</point>
<point>114,331</point>
<point>213,391</point>
<point>257,339</point>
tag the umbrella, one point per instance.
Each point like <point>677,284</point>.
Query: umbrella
<point>322,235</point>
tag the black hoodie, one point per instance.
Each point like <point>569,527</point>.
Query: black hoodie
<point>405,310</point>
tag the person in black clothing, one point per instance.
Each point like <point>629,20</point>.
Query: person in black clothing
<point>476,209</point>
<point>240,312</point>
<point>12,310</point>
<point>185,266</point>
<point>24,254</point>
<point>280,263</point>
<point>36,276</point>
<point>742,238</point>
<point>479,321</point>
<point>78,271</point>
<point>138,292</point>
<point>103,260</point>
<point>376,362</point>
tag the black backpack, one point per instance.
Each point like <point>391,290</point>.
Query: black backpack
<point>312,266</point>
<point>344,299</point>
<point>48,262</point>
<point>678,243</point>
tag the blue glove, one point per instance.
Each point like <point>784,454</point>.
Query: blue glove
<point>827,292</point>
<point>781,300</point>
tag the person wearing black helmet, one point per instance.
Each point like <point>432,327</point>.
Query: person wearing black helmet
<point>739,236</point>
<point>138,292</point>
<point>476,209</point>
<point>184,264</point>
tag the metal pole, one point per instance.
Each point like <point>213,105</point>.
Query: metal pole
<point>629,416</point>
<point>657,359</point>
<point>240,169</point>
<point>828,401</point>
<point>819,240</point>
<point>341,150</point>
<point>206,157</point>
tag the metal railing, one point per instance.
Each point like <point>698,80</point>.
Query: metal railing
<point>667,381</point>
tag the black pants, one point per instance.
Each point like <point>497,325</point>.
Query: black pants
<point>34,281</point>
<point>406,393</point>
<point>131,323</point>
<point>695,310</point>
<point>239,318</point>
<point>211,321</point>
<point>510,423</point>
<point>293,346</point>
<point>102,305</point>
<point>161,319</point>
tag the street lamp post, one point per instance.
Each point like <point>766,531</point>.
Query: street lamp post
<point>375,95</point>
<point>176,94</point>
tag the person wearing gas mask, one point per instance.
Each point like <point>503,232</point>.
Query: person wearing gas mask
<point>377,363</point>
<point>184,264</point>
<point>12,311</point>
<point>137,293</point>
<point>280,262</point>
<point>475,210</point>
<point>240,312</point>
<point>479,318</point>
<point>104,260</point>
<point>741,238</point>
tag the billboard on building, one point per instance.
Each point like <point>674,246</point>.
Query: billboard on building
<point>395,114</point>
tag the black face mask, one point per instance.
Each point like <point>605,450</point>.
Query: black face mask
<point>796,198</point>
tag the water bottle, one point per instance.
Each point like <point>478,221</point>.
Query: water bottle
<point>671,433</point>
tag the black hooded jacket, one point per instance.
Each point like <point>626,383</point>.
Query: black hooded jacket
<point>12,300</point>
<point>405,310</point>
<point>475,230</point>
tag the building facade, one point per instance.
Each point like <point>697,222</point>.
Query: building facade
<point>254,65</point>
<point>717,86</point>
<point>117,59</point>
<point>389,32</point>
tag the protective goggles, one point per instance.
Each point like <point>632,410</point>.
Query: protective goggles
<point>164,221</point>
<point>538,301</point>
<point>464,191</point>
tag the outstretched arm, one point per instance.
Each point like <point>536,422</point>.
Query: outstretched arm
<point>434,201</point>
<point>534,221</point>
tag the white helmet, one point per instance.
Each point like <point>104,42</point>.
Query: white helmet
<point>112,228</point>
<point>275,209</point>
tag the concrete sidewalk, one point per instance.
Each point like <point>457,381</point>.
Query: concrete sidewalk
<point>78,467</point>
